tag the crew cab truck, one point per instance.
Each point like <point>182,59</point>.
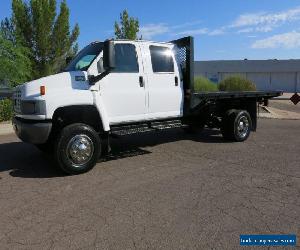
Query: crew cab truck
<point>123,87</point>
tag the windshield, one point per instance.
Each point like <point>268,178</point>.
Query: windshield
<point>85,57</point>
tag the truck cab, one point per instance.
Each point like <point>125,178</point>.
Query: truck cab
<point>113,84</point>
<point>143,84</point>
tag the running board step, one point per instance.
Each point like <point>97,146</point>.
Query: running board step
<point>145,127</point>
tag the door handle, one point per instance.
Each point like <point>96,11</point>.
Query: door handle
<point>176,81</point>
<point>141,80</point>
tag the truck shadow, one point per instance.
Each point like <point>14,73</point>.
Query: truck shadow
<point>131,145</point>
<point>25,161</point>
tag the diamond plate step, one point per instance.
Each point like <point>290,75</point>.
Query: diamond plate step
<point>143,128</point>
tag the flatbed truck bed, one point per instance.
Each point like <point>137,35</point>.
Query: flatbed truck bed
<point>259,95</point>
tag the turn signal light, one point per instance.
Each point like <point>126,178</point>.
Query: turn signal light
<point>42,90</point>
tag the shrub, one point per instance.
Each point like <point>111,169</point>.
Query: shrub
<point>236,83</point>
<point>203,84</point>
<point>6,110</point>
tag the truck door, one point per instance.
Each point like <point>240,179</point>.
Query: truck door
<point>164,88</point>
<point>123,90</point>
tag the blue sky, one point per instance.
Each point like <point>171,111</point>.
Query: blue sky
<point>231,29</point>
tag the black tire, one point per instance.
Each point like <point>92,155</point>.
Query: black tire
<point>236,125</point>
<point>75,143</point>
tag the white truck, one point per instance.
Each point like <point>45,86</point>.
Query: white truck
<point>123,87</point>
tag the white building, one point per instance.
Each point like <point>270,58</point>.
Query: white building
<point>281,75</point>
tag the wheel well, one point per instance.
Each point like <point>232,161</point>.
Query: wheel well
<point>86,114</point>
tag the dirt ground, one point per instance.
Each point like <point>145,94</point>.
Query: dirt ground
<point>165,190</point>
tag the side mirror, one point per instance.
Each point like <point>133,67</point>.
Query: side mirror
<point>109,55</point>
<point>92,79</point>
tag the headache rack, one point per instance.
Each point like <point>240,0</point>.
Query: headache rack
<point>185,58</point>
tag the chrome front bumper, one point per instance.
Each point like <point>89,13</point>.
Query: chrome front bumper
<point>34,132</point>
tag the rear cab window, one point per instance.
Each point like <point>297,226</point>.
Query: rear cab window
<point>161,59</point>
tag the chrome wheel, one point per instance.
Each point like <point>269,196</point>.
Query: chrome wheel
<point>242,126</point>
<point>80,150</point>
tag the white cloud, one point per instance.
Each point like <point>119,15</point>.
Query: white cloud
<point>150,30</point>
<point>252,23</point>
<point>217,32</point>
<point>288,40</point>
<point>202,31</point>
<point>187,24</point>
<point>194,32</point>
<point>263,21</point>
<point>246,30</point>
<point>264,29</point>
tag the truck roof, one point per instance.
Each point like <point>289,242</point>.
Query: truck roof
<point>140,41</point>
<point>148,41</point>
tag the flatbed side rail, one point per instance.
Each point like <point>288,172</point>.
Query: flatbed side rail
<point>199,100</point>
<point>241,94</point>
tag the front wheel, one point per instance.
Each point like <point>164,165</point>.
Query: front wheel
<point>236,125</point>
<point>77,148</point>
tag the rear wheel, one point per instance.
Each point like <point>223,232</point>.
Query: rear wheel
<point>236,125</point>
<point>77,148</point>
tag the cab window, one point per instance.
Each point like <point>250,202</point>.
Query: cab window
<point>85,57</point>
<point>126,59</point>
<point>162,59</point>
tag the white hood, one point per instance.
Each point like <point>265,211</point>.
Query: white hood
<point>62,82</point>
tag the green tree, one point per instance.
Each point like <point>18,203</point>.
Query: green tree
<point>46,34</point>
<point>7,30</point>
<point>6,110</point>
<point>15,66</point>
<point>62,39</point>
<point>128,27</point>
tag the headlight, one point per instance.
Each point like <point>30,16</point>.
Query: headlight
<point>36,107</point>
